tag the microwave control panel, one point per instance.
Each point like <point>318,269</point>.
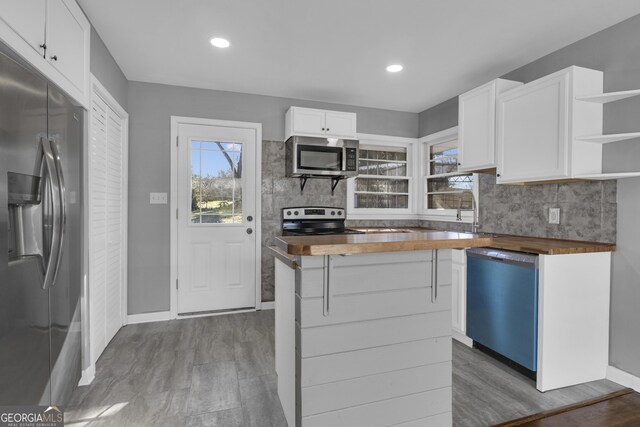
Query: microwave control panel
<point>352,159</point>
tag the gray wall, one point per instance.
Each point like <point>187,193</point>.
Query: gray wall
<point>107,71</point>
<point>442,116</point>
<point>616,51</point>
<point>150,108</point>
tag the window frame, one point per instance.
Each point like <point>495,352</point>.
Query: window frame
<point>411,145</point>
<point>447,215</point>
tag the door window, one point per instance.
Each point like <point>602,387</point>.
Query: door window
<point>216,182</point>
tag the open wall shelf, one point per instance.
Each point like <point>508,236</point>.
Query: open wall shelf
<point>605,176</point>
<point>603,98</point>
<point>605,139</point>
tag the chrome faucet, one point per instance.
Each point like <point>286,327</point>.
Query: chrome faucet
<point>474,208</point>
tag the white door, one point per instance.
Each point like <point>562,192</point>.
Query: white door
<point>107,222</point>
<point>216,217</point>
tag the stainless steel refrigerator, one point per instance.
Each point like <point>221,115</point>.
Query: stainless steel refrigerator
<point>41,134</point>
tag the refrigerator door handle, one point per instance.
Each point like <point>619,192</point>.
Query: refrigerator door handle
<point>52,175</point>
<point>62,211</point>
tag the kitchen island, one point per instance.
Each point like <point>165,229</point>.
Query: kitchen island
<point>363,328</point>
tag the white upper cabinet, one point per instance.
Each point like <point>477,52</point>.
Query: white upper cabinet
<point>311,122</point>
<point>539,125</point>
<point>66,41</point>
<point>477,125</point>
<point>54,36</point>
<point>27,19</point>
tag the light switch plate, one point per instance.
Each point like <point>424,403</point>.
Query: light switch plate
<point>554,215</point>
<point>158,198</point>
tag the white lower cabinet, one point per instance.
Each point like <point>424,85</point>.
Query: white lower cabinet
<point>459,295</point>
<point>365,340</point>
<point>573,316</point>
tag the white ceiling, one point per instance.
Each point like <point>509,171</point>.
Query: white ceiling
<point>337,50</point>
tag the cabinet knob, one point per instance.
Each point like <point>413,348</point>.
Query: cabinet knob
<point>54,58</point>
<point>498,175</point>
<point>328,129</point>
<point>43,46</point>
<point>459,164</point>
<point>322,128</point>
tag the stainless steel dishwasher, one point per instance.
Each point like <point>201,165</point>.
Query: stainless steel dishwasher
<point>502,304</point>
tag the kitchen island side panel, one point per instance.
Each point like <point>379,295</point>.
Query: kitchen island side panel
<point>573,319</point>
<point>384,347</point>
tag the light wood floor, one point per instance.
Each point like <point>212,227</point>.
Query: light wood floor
<point>219,371</point>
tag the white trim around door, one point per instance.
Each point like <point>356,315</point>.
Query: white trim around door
<point>176,121</point>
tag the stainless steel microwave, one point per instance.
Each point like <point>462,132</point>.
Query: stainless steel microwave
<point>308,156</point>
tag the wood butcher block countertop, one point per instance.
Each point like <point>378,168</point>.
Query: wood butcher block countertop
<point>543,246</point>
<point>415,239</point>
<point>379,242</point>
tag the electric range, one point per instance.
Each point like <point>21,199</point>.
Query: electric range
<point>314,220</point>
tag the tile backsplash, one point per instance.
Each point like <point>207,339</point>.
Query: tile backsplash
<point>278,192</point>
<point>587,209</point>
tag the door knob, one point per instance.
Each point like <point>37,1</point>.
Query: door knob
<point>249,230</point>
<point>249,218</point>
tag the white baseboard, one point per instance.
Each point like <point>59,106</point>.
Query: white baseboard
<point>157,316</point>
<point>88,375</point>
<point>623,378</point>
<point>462,339</point>
<point>267,305</point>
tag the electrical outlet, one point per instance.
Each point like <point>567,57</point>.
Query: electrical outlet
<point>554,215</point>
<point>158,198</point>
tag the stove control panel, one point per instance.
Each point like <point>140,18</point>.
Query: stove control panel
<point>312,212</point>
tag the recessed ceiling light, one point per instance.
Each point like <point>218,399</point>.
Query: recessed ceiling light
<point>220,42</point>
<point>394,68</point>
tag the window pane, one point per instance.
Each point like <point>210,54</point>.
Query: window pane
<point>446,165</point>
<point>382,192</point>
<point>216,182</point>
<point>448,148</point>
<point>450,183</point>
<point>449,201</point>
<point>195,182</point>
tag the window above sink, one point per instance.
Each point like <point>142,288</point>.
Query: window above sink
<point>445,187</point>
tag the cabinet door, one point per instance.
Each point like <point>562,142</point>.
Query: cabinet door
<point>66,42</point>
<point>308,121</point>
<point>477,128</point>
<point>458,297</point>
<point>340,125</point>
<point>27,18</point>
<point>533,131</point>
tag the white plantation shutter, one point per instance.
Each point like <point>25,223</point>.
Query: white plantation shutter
<point>106,224</point>
<point>115,222</point>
